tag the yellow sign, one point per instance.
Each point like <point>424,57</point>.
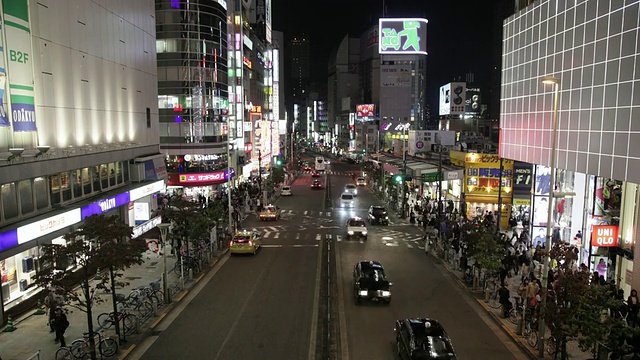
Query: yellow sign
<point>521,202</point>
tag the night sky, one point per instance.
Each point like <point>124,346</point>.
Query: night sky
<point>459,33</point>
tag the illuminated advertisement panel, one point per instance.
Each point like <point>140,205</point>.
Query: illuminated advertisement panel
<point>265,140</point>
<point>402,36</point>
<point>365,110</point>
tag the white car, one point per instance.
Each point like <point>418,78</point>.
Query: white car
<point>351,189</point>
<point>346,200</point>
<point>361,181</point>
<point>285,191</point>
<point>356,227</point>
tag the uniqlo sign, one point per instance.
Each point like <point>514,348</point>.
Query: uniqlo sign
<point>604,235</point>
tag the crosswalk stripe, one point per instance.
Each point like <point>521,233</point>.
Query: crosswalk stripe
<point>297,236</point>
<point>318,237</point>
<point>338,237</point>
<point>277,235</point>
<point>305,212</point>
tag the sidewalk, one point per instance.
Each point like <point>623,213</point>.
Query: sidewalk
<point>512,284</point>
<point>32,336</point>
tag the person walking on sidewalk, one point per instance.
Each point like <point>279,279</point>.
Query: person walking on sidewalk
<point>53,301</point>
<point>60,324</point>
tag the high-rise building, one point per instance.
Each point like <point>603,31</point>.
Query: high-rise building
<point>299,58</point>
<point>193,97</point>
<point>79,128</point>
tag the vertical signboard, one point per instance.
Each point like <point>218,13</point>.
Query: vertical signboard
<point>4,121</point>
<point>453,98</point>
<point>19,68</point>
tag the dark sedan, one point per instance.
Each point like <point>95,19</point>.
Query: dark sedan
<point>422,339</point>
<point>316,184</point>
<point>370,282</point>
<point>378,215</point>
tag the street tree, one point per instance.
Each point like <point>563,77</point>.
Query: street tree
<point>103,242</point>
<point>484,247</point>
<point>190,222</point>
<point>276,175</point>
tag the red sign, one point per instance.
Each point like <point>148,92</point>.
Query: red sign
<point>248,147</point>
<point>604,235</point>
<point>197,179</point>
<point>365,110</point>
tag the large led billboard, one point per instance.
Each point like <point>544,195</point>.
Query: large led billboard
<point>453,98</point>
<point>365,111</point>
<point>402,36</point>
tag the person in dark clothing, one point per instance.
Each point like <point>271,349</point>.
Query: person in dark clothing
<point>60,323</point>
<point>503,294</point>
<point>633,306</point>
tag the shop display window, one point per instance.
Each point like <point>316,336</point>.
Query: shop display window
<point>9,200</point>
<point>42,193</point>
<point>17,274</point>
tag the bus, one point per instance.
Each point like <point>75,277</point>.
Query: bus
<point>320,164</point>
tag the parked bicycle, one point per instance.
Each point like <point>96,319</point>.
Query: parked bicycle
<point>129,320</point>
<point>150,292</point>
<point>106,346</point>
<point>516,311</point>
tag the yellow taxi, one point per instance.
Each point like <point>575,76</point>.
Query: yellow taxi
<point>270,212</point>
<point>245,242</point>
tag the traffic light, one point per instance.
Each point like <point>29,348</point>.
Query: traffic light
<point>364,151</point>
<point>398,178</point>
<point>278,161</point>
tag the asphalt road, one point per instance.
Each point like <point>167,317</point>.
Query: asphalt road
<point>256,307</point>
<point>421,288</point>
<point>266,306</point>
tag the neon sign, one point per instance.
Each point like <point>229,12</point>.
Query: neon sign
<point>402,36</point>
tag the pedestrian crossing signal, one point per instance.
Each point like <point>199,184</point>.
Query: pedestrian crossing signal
<point>279,161</point>
<point>398,178</point>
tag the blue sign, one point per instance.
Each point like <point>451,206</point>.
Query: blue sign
<point>104,205</point>
<point>8,239</point>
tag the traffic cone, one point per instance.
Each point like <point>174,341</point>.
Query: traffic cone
<point>98,274</point>
<point>40,309</point>
<point>10,326</point>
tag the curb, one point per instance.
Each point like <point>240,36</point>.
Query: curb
<point>526,349</point>
<point>144,335</point>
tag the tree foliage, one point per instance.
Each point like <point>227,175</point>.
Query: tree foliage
<point>277,175</point>
<point>103,242</point>
<point>191,221</point>
<point>486,249</point>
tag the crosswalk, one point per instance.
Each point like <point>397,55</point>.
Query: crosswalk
<point>386,236</point>
<point>329,172</point>
<point>312,213</point>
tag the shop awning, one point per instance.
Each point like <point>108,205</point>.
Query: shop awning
<point>419,168</point>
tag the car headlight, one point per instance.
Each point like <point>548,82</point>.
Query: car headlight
<point>362,293</point>
<point>386,293</point>
<point>364,233</point>
<point>355,191</point>
<point>386,218</point>
<point>350,232</point>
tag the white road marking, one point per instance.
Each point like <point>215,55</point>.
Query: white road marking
<point>318,237</point>
<point>338,237</point>
<point>297,236</point>
<point>277,235</point>
<point>289,245</point>
<point>266,234</point>
<point>305,212</point>
<point>328,213</point>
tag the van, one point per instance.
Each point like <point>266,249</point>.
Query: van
<point>346,200</point>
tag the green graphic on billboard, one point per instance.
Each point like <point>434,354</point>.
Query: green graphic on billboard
<point>19,68</point>
<point>402,36</point>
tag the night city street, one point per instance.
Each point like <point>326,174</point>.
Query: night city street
<point>264,306</point>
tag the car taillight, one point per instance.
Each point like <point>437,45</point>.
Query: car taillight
<point>250,243</point>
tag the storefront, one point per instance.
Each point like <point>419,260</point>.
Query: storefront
<point>198,185</point>
<point>520,219</point>
<point>482,184</point>
<point>20,247</point>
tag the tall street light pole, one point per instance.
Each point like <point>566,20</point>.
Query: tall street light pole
<point>229,145</point>
<point>545,268</point>
<point>164,228</point>
<point>404,171</point>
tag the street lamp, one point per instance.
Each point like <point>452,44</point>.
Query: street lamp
<point>229,148</point>
<point>164,228</point>
<point>545,268</point>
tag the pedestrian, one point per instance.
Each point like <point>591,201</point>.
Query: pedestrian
<point>60,324</point>
<point>634,305</point>
<point>53,301</point>
<point>503,294</point>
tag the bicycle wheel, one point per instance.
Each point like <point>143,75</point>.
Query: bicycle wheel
<point>513,316</point>
<point>550,345</point>
<point>64,353</point>
<point>105,320</point>
<point>532,338</point>
<point>159,297</point>
<point>108,347</point>
<point>494,301</point>
<point>145,309</point>
<point>79,348</point>
<point>129,322</point>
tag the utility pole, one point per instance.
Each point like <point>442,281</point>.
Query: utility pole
<point>260,176</point>
<point>439,185</point>
<point>404,171</point>
<point>499,216</point>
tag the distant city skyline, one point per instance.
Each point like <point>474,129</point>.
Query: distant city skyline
<point>459,35</point>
